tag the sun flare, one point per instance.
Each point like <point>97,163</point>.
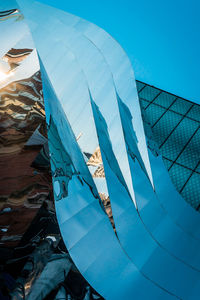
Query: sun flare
<point>4,76</point>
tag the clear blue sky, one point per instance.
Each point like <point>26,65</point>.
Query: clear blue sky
<point>162,38</point>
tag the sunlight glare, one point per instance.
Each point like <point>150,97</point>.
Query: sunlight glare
<point>4,76</point>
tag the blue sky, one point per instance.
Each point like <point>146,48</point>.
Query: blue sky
<point>162,38</point>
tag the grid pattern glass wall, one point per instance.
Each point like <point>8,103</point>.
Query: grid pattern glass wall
<point>175,124</point>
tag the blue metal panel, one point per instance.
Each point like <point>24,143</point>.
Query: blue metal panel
<point>84,225</point>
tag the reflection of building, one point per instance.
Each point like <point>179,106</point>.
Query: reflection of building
<point>24,185</point>
<point>15,56</point>
<point>4,15</point>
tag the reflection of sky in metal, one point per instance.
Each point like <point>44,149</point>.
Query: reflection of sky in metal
<point>85,227</point>
<point>114,57</point>
<point>87,66</point>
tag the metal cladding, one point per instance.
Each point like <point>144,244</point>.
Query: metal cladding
<point>91,103</point>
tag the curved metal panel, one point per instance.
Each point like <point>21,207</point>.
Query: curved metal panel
<point>84,225</point>
<point>100,38</point>
<point>106,44</point>
<point>147,262</point>
<point>185,216</point>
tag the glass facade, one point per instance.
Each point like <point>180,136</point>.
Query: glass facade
<point>175,123</point>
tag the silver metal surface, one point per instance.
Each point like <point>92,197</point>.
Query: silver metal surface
<point>145,234</point>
